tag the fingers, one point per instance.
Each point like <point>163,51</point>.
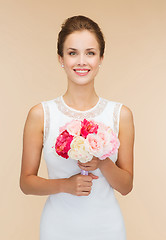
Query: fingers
<point>83,193</point>
<point>84,188</point>
<point>90,165</point>
<point>84,184</point>
<point>86,167</point>
<point>83,164</point>
<point>87,164</point>
<point>93,176</point>
<point>87,184</point>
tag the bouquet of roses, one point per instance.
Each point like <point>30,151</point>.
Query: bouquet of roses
<point>81,140</point>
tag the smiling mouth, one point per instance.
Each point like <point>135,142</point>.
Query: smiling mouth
<point>82,72</point>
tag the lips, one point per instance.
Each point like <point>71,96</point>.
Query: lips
<point>81,71</point>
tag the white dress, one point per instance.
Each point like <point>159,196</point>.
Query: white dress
<point>70,217</point>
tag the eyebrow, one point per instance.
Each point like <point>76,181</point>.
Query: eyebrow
<point>76,49</point>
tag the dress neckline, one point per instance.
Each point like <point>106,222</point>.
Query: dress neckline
<point>80,111</point>
<point>77,114</point>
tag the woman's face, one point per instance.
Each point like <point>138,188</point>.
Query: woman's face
<point>81,57</point>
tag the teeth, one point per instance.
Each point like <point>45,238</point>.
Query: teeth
<point>81,71</point>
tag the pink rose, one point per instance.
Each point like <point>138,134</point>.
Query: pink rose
<point>88,127</point>
<point>115,143</point>
<point>74,127</point>
<point>94,145</point>
<point>111,147</point>
<point>62,145</point>
<point>105,137</point>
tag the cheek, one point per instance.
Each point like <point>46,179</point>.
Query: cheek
<point>94,63</point>
<point>68,61</point>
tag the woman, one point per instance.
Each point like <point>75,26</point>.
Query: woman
<point>79,206</point>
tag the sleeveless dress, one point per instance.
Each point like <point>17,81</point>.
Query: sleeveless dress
<point>70,217</point>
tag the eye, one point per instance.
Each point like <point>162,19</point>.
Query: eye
<point>91,53</point>
<point>72,53</point>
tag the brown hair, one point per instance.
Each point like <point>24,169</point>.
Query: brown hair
<point>79,23</point>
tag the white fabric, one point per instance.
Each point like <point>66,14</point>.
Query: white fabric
<point>70,217</point>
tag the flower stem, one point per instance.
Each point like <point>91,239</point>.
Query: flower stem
<point>83,172</point>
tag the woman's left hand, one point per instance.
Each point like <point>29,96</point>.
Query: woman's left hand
<point>91,165</point>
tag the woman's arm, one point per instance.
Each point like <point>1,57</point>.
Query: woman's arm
<point>30,183</point>
<point>120,175</point>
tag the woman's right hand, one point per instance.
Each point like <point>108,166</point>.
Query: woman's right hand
<point>79,185</point>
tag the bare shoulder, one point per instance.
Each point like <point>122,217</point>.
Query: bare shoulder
<point>36,116</point>
<point>126,137</point>
<point>32,141</point>
<point>126,119</point>
<point>36,111</point>
<point>126,113</point>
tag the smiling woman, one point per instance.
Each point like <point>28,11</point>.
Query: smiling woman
<point>79,206</point>
<point>82,71</point>
<point>83,59</point>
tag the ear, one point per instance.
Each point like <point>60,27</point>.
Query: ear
<point>101,59</point>
<point>60,59</point>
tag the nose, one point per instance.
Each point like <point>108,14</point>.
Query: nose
<point>81,59</point>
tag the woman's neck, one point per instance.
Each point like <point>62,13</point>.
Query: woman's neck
<point>81,100</point>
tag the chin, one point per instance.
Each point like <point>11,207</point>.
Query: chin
<point>80,81</point>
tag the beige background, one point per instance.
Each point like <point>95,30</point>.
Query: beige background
<point>133,72</point>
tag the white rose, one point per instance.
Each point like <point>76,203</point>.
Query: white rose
<point>78,151</point>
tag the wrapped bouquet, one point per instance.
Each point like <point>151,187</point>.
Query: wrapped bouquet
<point>81,140</point>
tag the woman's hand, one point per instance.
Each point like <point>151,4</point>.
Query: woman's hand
<point>79,185</point>
<point>91,165</point>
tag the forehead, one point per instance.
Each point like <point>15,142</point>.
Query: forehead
<point>81,39</point>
